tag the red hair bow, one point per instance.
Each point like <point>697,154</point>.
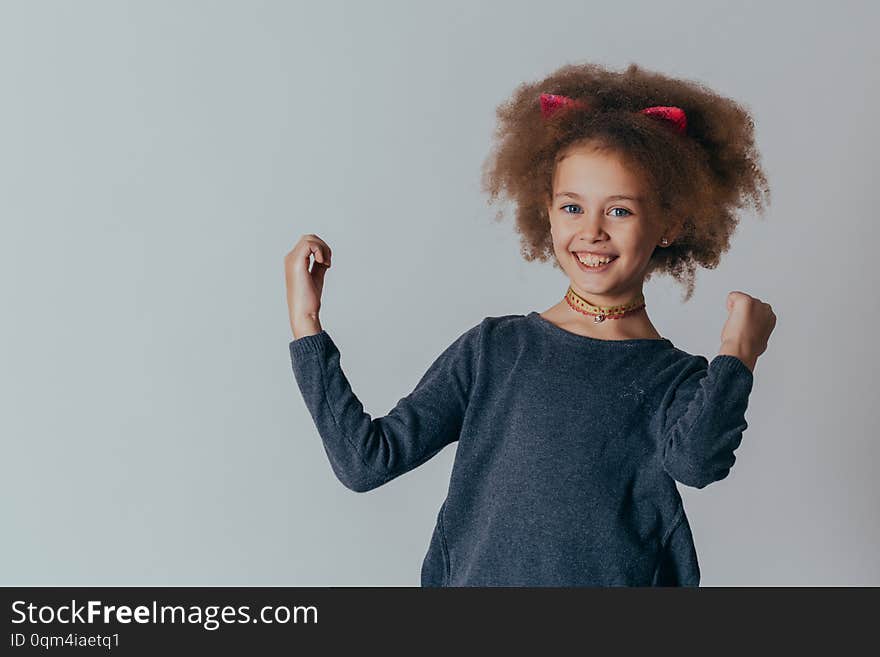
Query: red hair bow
<point>674,116</point>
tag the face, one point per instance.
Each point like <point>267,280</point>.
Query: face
<point>585,217</point>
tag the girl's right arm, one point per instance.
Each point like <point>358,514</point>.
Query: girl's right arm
<point>366,452</point>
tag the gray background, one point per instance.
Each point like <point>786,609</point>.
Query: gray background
<point>158,159</point>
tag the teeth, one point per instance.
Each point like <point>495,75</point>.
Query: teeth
<point>593,260</point>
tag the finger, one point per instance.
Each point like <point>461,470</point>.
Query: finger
<point>314,238</point>
<point>731,300</point>
<point>316,250</point>
<point>326,253</point>
<point>318,275</point>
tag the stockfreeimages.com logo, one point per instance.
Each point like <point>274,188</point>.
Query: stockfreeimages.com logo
<point>210,617</point>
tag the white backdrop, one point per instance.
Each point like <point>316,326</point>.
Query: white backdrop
<point>158,159</point>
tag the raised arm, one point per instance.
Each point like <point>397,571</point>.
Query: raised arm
<point>366,452</point>
<point>703,419</point>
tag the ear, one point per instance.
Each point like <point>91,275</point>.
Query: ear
<point>673,230</point>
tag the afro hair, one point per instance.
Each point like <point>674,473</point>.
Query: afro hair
<point>698,180</point>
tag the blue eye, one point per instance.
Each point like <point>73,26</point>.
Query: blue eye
<point>574,205</point>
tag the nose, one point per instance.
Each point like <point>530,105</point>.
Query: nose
<point>591,227</point>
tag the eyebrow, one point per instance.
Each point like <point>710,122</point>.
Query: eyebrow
<point>615,197</point>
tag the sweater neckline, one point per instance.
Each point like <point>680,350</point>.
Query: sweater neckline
<point>549,326</point>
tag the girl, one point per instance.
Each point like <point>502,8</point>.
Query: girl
<point>573,424</point>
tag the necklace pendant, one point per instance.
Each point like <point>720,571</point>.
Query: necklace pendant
<point>598,318</point>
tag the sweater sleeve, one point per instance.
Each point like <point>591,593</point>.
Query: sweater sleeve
<point>366,452</point>
<point>704,419</point>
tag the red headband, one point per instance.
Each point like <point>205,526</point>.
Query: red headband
<point>674,116</point>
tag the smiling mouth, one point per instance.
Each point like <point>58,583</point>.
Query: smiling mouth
<point>597,267</point>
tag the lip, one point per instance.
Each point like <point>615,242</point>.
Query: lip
<point>592,270</point>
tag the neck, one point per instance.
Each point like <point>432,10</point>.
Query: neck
<point>633,324</point>
<point>608,300</point>
<point>601,313</point>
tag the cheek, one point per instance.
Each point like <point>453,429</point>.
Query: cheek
<point>560,231</point>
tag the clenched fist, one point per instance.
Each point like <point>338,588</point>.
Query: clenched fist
<point>304,286</point>
<point>749,324</point>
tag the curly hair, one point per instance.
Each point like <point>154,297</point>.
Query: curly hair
<point>699,180</point>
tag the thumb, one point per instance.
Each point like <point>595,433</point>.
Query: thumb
<point>732,298</point>
<point>318,271</point>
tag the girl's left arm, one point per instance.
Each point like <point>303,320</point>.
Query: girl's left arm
<point>703,420</point>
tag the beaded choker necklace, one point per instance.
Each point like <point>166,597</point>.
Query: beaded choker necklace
<point>601,313</point>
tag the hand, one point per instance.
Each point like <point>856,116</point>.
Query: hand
<point>304,287</point>
<point>749,324</point>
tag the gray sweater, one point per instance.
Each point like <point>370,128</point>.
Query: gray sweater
<point>567,456</point>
